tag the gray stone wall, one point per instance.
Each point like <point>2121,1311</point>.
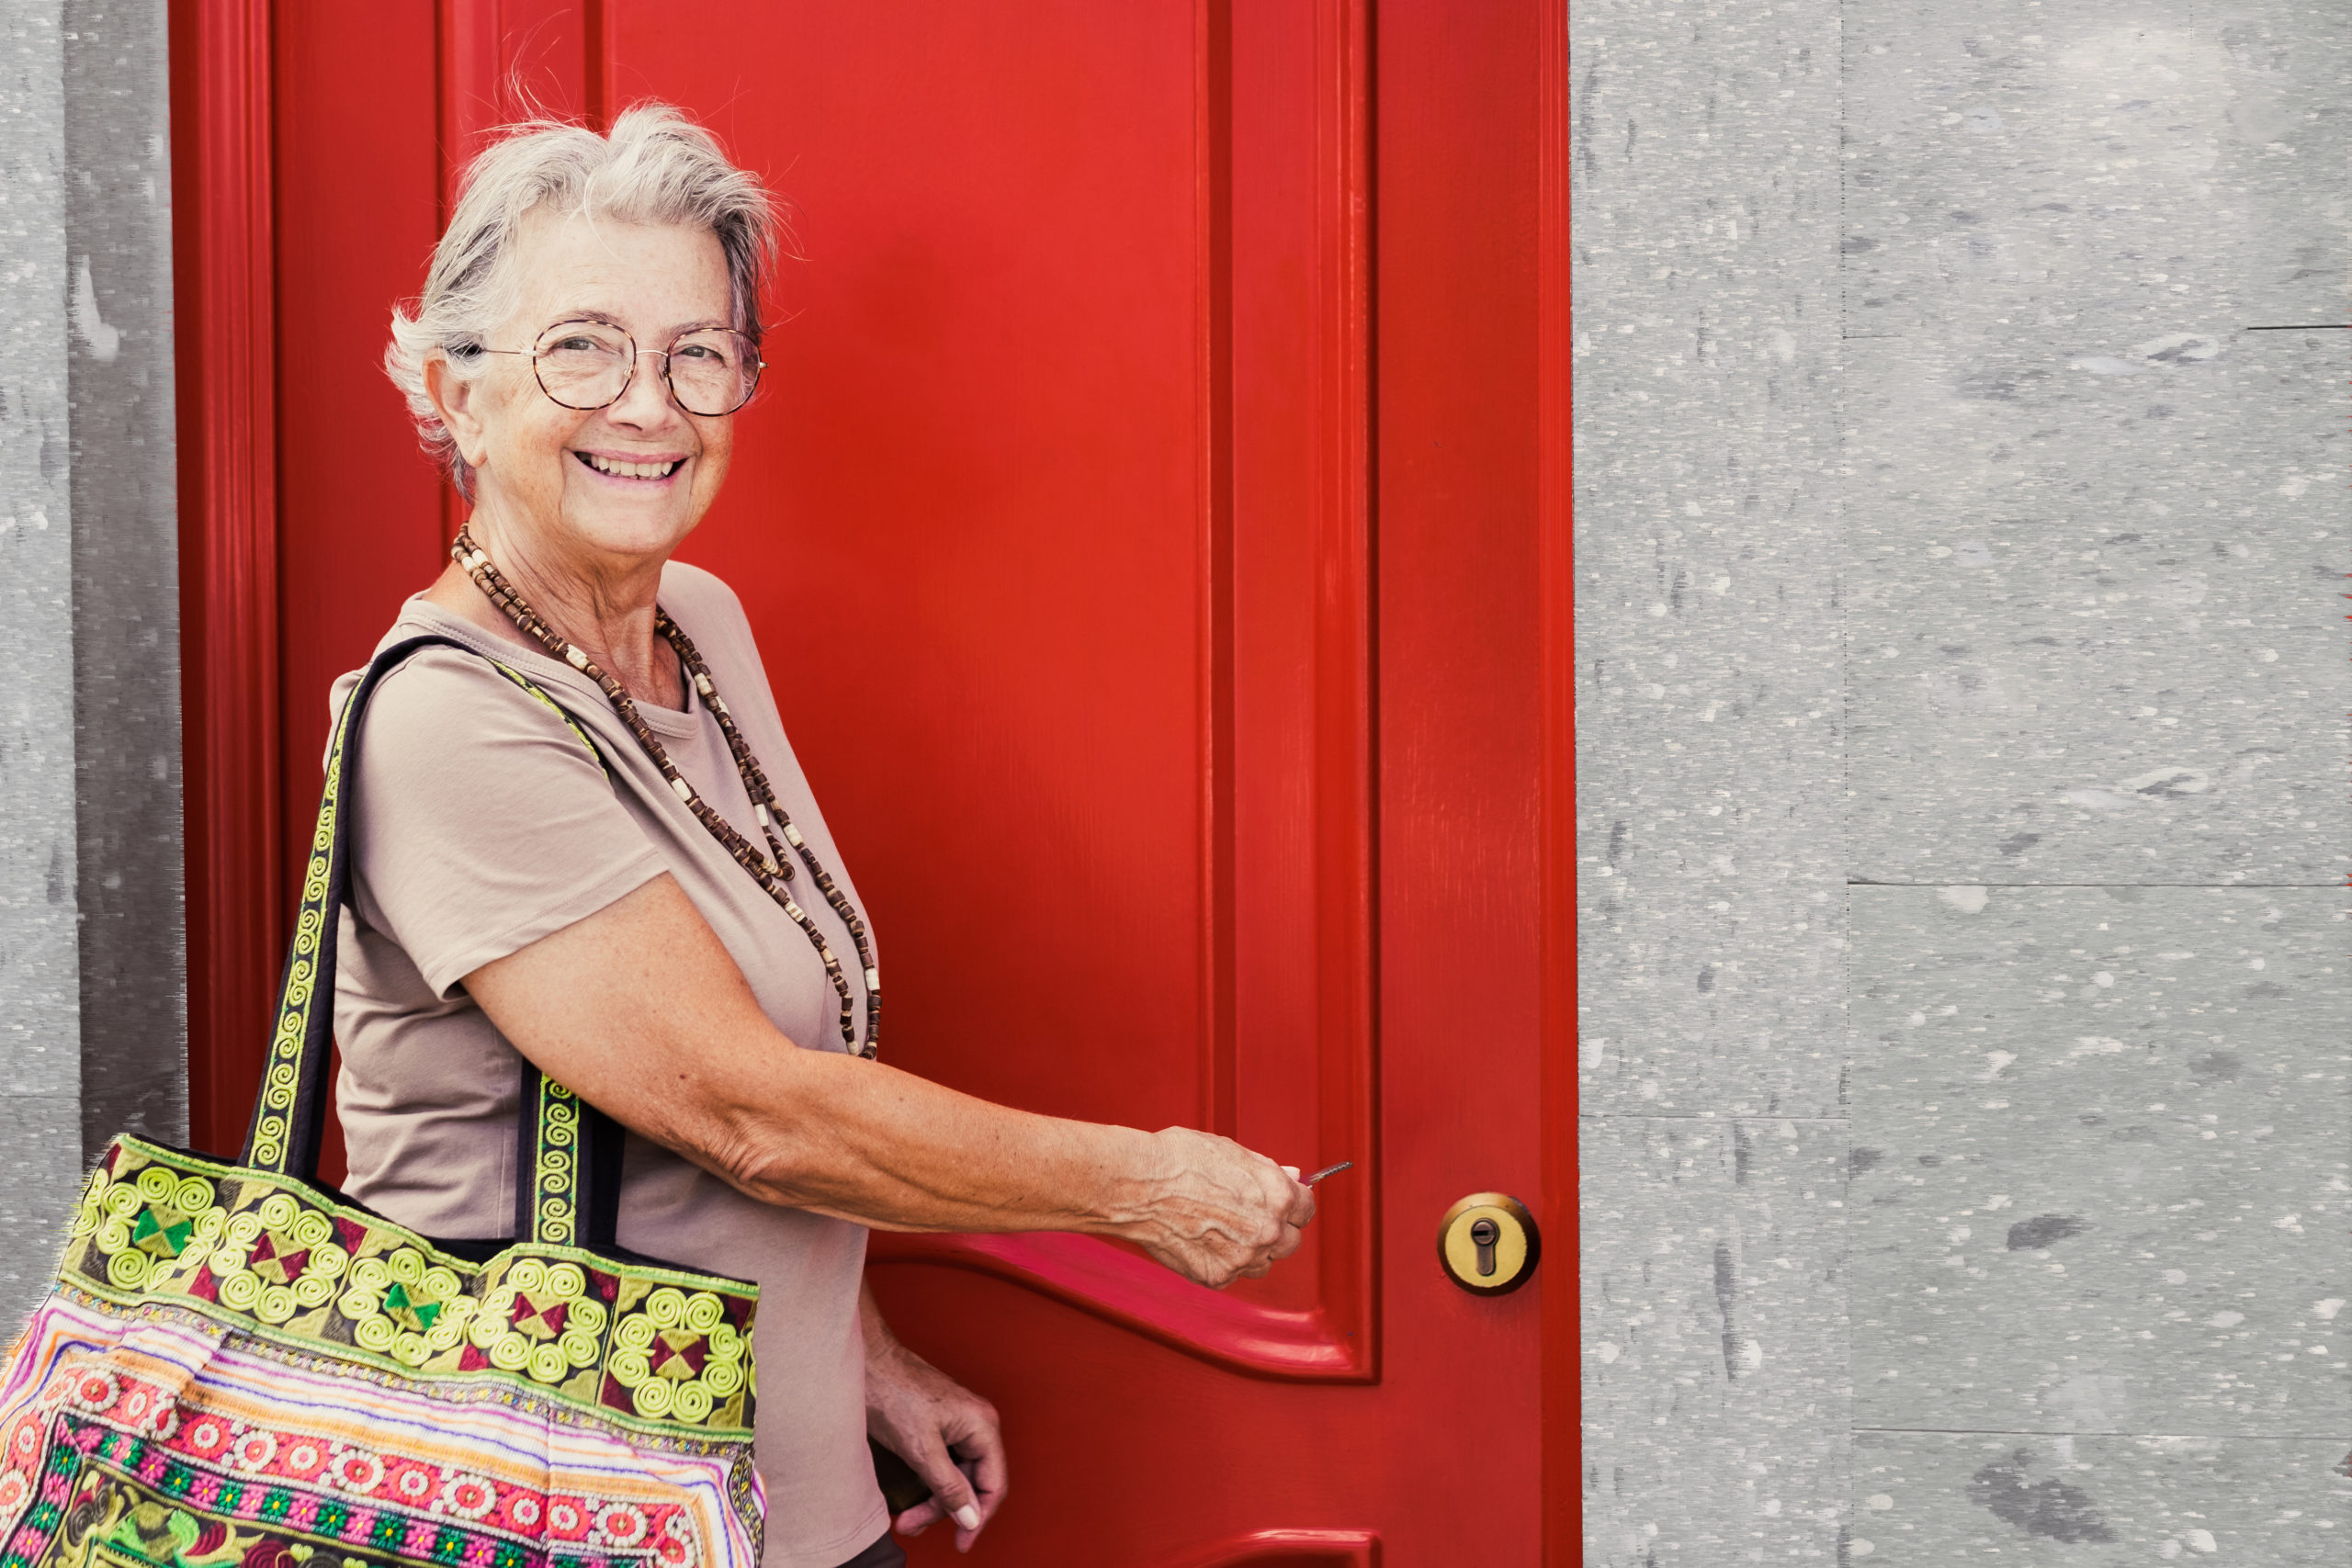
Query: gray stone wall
<point>131,848</point>
<point>92,969</point>
<point>1963,687</point>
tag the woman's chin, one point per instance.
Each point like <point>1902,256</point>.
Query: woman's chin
<point>652,524</point>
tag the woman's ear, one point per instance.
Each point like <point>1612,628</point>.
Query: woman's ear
<point>460,401</point>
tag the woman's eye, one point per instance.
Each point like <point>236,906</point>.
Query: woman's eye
<point>698,351</point>
<point>576,345</point>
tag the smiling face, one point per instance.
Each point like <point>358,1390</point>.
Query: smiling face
<point>608,487</point>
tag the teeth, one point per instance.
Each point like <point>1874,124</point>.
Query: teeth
<point>629,470</point>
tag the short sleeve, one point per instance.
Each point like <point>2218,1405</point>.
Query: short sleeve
<point>481,821</point>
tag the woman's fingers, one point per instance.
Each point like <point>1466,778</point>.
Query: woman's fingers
<point>1226,1212</point>
<point>948,1436</point>
<point>952,1495</point>
<point>991,1476</point>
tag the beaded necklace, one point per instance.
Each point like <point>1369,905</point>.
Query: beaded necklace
<point>770,873</point>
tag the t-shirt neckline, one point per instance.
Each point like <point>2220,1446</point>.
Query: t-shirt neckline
<point>673,724</point>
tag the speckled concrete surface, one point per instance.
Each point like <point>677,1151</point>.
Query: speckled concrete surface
<point>1925,1498</point>
<point>2095,620</point>
<point>2075,545</point>
<point>130,851</point>
<point>1709,763</point>
<point>1713,1309</point>
<point>92,981</point>
<point>40,985</point>
<point>41,1135</point>
<point>2100,1169</point>
<point>2097,531</point>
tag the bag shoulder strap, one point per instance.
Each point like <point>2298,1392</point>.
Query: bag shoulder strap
<point>568,1169</point>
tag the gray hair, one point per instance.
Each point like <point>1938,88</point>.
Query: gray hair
<point>656,166</point>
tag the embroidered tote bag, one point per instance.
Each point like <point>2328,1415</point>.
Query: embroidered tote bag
<point>240,1368</point>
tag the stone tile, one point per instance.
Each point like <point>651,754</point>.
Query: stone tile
<point>130,849</point>
<point>2095,175</point>
<point>1922,1498</point>
<point>2089,645</point>
<point>2100,1169</point>
<point>39,976</point>
<point>38,1183</point>
<point>1713,1307</point>
<point>1705,226</point>
<point>2097,532</point>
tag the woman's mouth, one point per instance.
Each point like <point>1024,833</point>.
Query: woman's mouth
<point>654,468</point>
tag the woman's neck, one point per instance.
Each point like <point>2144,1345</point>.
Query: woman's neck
<point>604,609</point>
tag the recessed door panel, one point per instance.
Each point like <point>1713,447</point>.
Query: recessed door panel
<point>1056,508</point>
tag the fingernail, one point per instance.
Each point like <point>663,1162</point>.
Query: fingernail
<point>968,1516</point>
<point>1290,1171</point>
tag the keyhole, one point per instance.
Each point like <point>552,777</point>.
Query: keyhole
<point>1483,1233</point>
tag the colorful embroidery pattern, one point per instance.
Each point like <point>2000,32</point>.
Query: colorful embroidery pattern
<point>145,1418</point>
<point>237,1371</point>
<point>120,1475</point>
<point>645,1342</point>
<point>273,1121</point>
<point>556,1217</point>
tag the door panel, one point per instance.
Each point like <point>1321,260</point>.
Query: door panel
<point>1140,524</point>
<point>1066,419</point>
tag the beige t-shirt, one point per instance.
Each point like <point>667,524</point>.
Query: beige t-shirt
<point>481,824</point>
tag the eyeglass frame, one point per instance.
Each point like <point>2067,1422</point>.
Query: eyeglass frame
<point>531,353</point>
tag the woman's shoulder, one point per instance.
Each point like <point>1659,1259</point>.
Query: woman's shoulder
<point>450,673</point>
<point>448,698</point>
<point>693,591</point>
<point>709,610</point>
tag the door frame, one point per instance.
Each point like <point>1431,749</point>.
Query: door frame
<point>225,368</point>
<point>1562,1424</point>
<point>226,372</point>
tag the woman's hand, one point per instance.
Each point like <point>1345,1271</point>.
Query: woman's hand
<point>1215,1213</point>
<point>932,1421</point>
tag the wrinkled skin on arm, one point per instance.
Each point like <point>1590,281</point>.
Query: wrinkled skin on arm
<point>641,1011</point>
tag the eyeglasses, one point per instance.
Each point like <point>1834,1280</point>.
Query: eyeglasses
<point>588,365</point>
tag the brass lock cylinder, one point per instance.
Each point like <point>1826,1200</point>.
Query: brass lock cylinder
<point>1488,1244</point>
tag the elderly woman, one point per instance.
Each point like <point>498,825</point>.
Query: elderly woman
<point>663,923</point>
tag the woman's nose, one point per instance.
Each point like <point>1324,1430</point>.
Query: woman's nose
<point>646,399</point>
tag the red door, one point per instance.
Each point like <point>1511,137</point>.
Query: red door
<point>1145,528</point>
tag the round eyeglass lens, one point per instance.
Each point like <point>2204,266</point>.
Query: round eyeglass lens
<point>584,365</point>
<point>713,371</point>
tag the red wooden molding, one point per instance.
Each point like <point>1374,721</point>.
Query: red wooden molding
<point>225,378</point>
<point>1285,1548</point>
<point>1337,1339</point>
<point>1562,1392</point>
<point>1348,1044</point>
<point>1138,1294</point>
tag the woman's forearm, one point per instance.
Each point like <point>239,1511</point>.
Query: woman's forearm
<point>863,1140</point>
<point>640,1011</point>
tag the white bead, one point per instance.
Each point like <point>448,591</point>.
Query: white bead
<point>702,685</point>
<point>686,791</point>
<point>764,817</point>
<point>576,659</point>
<point>874,979</point>
<point>792,909</point>
<point>792,835</point>
<point>717,704</point>
<point>826,954</point>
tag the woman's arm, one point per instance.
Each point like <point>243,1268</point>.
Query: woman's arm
<point>641,1011</point>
